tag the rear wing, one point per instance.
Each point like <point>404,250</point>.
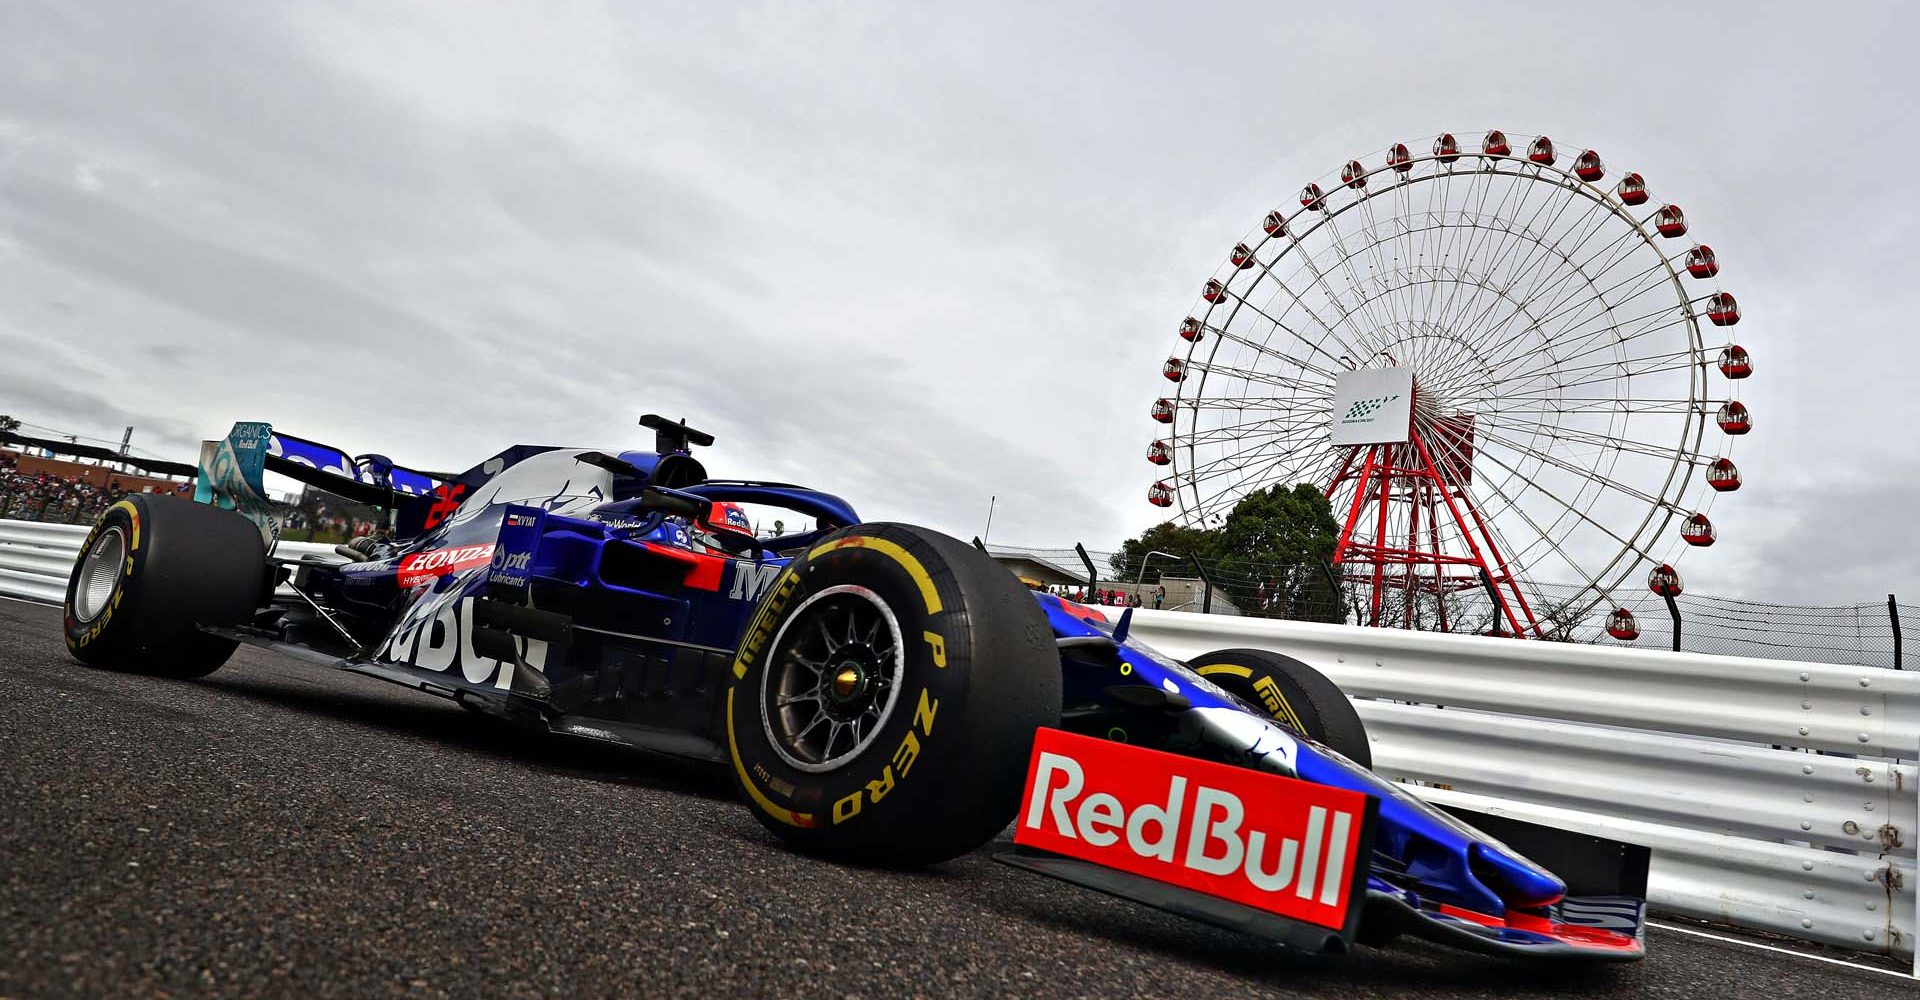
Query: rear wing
<point>231,470</point>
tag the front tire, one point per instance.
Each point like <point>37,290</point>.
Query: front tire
<point>883,702</point>
<point>154,569</point>
<point>1293,694</point>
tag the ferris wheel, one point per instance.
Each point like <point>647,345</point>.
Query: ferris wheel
<point>1495,361</point>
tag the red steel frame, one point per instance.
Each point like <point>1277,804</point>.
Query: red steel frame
<point>1406,473</point>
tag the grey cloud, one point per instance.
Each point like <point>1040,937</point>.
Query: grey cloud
<point>916,256</point>
<point>271,299</point>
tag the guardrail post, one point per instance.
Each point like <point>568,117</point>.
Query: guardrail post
<point>1674,610</point>
<point>1206,600</point>
<point>1494,596</point>
<point>1333,584</point>
<point>1093,575</point>
<point>1893,615</point>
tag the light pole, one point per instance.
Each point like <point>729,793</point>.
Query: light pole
<point>1142,575</point>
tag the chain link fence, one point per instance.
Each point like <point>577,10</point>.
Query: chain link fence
<point>1870,633</point>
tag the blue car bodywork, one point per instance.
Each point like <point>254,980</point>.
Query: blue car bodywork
<point>555,587</point>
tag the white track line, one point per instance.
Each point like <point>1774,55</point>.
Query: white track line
<point>1783,951</point>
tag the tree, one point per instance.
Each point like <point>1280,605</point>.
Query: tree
<point>1275,549</point>
<point>8,424</point>
<point>1180,542</point>
<point>1270,557</point>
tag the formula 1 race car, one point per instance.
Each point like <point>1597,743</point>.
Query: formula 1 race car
<point>876,690</point>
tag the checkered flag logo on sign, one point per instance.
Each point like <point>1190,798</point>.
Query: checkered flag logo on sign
<point>1363,408</point>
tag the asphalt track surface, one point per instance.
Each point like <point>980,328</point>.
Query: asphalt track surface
<point>282,830</point>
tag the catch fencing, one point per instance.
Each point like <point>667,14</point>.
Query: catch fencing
<point>1775,795</point>
<point>1879,633</point>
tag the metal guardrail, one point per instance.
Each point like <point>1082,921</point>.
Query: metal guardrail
<point>36,558</point>
<point>1775,795</point>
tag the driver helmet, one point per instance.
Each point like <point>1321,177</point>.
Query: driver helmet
<point>724,519</point>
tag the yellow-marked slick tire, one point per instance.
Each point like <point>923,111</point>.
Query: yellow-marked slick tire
<point>1298,696</point>
<point>154,569</point>
<point>882,705</point>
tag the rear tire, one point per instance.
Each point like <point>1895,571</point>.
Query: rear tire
<point>154,569</point>
<point>883,702</point>
<point>1294,694</point>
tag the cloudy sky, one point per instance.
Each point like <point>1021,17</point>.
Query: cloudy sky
<point>916,254</point>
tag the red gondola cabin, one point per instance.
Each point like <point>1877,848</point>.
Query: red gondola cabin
<point>1243,256</point>
<point>1446,149</point>
<point>1213,291</point>
<point>1632,189</point>
<point>1722,309</point>
<point>1664,581</point>
<point>1621,626</point>
<point>1399,158</point>
<point>1353,175</point>
<point>1160,495</point>
<point>1723,476</point>
<point>1275,224</point>
<point>1541,151</point>
<point>1191,329</point>
<point>1495,144</point>
<point>1160,453</point>
<point>1697,530</point>
<point>1735,362</point>
<point>1670,222</point>
<point>1701,262</point>
<point>1162,411</point>
<point>1734,418</point>
<point>1312,197</point>
<point>1588,167</point>
<point>1175,370</point>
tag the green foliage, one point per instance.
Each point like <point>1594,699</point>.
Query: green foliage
<point>8,424</point>
<point>1270,557</point>
<point>1182,543</point>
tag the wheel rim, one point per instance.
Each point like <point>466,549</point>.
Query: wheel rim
<point>99,574</point>
<point>832,679</point>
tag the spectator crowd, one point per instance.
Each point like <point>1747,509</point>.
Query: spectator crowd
<point>43,496</point>
<point>1113,598</point>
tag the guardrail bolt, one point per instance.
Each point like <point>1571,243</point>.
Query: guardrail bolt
<point>1850,827</point>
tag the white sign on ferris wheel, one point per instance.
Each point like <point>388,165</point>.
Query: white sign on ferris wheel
<point>1373,406</point>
